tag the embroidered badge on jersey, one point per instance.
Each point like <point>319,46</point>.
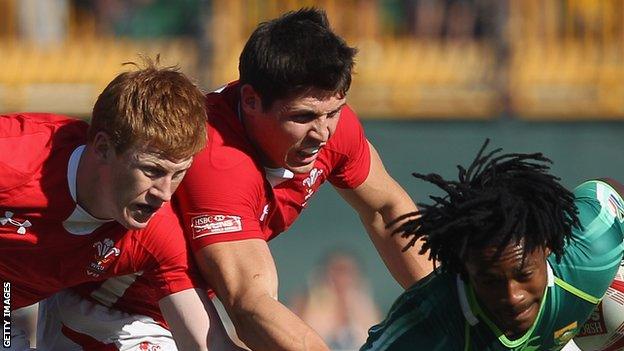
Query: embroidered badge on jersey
<point>565,334</point>
<point>106,253</point>
<point>215,224</point>
<point>309,182</point>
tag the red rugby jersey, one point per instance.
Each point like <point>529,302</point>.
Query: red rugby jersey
<point>228,195</point>
<point>48,242</point>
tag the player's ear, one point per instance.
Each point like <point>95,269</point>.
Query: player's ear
<point>547,251</point>
<point>103,146</point>
<point>251,102</point>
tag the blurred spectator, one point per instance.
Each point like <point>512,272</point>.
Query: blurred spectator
<point>338,302</point>
<point>43,22</point>
<point>450,19</point>
<point>145,18</point>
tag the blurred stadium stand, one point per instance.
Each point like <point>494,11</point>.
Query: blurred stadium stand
<point>471,59</point>
<point>425,60</point>
<point>567,58</point>
<point>65,75</point>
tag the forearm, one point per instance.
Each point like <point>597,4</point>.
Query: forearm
<point>187,318</point>
<point>379,201</point>
<point>406,267</point>
<point>263,323</point>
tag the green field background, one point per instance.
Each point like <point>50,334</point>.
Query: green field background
<point>579,150</point>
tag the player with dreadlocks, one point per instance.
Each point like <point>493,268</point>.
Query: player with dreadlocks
<point>522,261</point>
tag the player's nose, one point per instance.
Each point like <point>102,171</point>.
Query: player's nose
<point>514,295</point>
<point>321,130</point>
<point>163,189</point>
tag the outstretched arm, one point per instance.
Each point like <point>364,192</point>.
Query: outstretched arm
<point>194,322</point>
<point>379,201</point>
<point>244,276</point>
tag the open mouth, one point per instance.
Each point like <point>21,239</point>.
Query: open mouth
<point>307,155</point>
<point>143,212</point>
<point>520,314</point>
<point>309,151</point>
<point>524,313</point>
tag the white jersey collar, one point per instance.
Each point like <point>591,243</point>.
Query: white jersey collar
<point>80,222</point>
<point>276,176</point>
<point>463,302</point>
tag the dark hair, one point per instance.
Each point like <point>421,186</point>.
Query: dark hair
<point>498,200</point>
<point>295,52</point>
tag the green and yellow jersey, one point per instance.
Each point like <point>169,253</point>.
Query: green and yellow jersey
<point>441,312</point>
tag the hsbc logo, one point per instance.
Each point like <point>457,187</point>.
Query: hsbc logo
<point>595,325</point>
<point>215,224</point>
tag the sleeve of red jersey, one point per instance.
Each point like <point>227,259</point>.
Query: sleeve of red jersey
<point>221,204</point>
<point>350,145</point>
<point>171,268</point>
<point>29,137</point>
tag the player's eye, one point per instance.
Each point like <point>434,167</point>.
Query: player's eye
<point>152,172</point>
<point>179,175</point>
<point>525,275</point>
<point>490,281</point>
<point>302,118</point>
<point>334,113</point>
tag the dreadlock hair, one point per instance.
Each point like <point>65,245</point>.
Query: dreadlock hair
<point>500,199</point>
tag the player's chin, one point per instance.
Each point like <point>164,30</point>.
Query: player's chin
<point>299,167</point>
<point>521,322</point>
<point>136,219</point>
<point>136,225</point>
<point>521,328</point>
<point>298,163</point>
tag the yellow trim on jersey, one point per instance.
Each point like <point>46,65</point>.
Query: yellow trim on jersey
<point>577,292</point>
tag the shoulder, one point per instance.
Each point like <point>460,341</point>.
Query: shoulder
<point>348,152</point>
<point>222,170</point>
<point>436,289</point>
<point>592,257</point>
<point>33,139</point>
<point>423,311</point>
<point>29,124</point>
<point>348,116</point>
<point>33,119</point>
<point>349,131</point>
<point>606,193</point>
<point>228,147</point>
<point>40,128</point>
<point>349,139</point>
<point>228,162</point>
<point>600,207</point>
